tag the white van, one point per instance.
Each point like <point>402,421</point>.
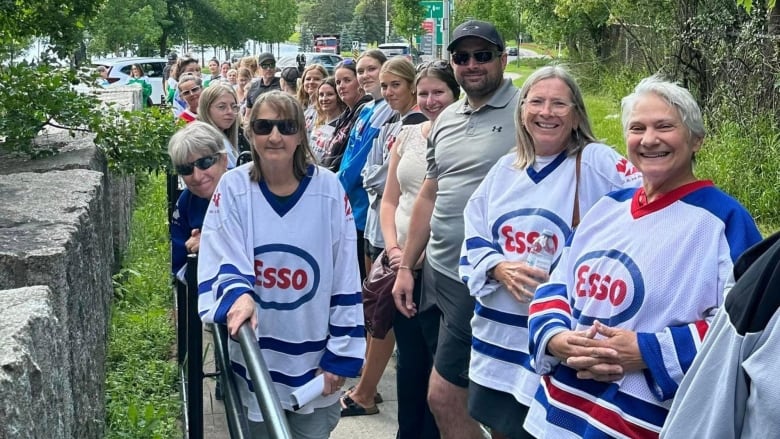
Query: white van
<point>397,49</point>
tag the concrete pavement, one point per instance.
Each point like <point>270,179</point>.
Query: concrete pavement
<point>380,426</point>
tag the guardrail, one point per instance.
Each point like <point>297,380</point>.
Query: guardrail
<point>190,345</point>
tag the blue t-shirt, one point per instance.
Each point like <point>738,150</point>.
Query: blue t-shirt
<point>187,216</point>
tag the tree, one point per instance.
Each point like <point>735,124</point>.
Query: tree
<point>368,21</point>
<point>62,22</point>
<point>407,18</point>
<point>328,16</point>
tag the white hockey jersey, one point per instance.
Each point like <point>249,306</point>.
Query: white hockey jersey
<point>297,257</point>
<point>506,213</point>
<point>657,269</point>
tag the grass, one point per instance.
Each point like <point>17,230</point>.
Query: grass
<point>142,399</point>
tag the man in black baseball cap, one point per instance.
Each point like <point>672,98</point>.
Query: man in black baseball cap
<point>166,73</point>
<point>469,137</point>
<point>267,82</point>
<point>479,29</point>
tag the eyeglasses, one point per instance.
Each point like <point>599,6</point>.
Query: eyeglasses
<point>202,163</point>
<point>557,108</point>
<point>481,57</point>
<point>191,91</point>
<point>224,108</point>
<point>268,65</point>
<point>438,64</point>
<point>263,127</point>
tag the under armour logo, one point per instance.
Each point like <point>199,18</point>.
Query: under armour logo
<point>497,128</point>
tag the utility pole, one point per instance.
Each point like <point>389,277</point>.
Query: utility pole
<point>387,21</point>
<point>445,29</point>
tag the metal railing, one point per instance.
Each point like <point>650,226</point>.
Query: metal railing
<point>190,345</point>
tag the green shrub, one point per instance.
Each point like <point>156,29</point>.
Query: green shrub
<point>142,399</point>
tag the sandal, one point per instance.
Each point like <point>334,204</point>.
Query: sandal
<point>351,408</point>
<point>377,398</point>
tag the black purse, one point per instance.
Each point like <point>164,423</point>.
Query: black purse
<point>378,304</point>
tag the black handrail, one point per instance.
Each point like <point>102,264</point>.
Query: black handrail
<point>194,360</point>
<point>234,410</point>
<point>267,398</point>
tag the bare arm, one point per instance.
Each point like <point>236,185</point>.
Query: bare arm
<point>419,232</point>
<point>387,211</point>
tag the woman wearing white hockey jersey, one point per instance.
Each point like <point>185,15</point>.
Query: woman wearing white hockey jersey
<point>278,249</point>
<point>623,316</point>
<point>526,192</point>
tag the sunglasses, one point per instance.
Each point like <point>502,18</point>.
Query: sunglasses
<point>263,127</point>
<point>202,163</point>
<point>481,57</point>
<point>268,66</point>
<point>191,91</point>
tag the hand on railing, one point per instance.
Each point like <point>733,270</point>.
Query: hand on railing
<point>243,310</point>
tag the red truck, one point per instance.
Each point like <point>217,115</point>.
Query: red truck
<point>327,43</point>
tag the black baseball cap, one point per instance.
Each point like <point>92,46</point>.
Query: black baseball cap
<point>265,56</point>
<point>478,29</point>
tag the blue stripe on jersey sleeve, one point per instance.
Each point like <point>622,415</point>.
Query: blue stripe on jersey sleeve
<point>220,315</point>
<point>658,380</point>
<point>346,299</point>
<point>341,366</point>
<point>683,345</point>
<point>478,242</point>
<point>206,285</point>
<point>500,316</point>
<point>741,230</point>
<point>347,331</point>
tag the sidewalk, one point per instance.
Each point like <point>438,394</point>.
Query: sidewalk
<point>380,426</point>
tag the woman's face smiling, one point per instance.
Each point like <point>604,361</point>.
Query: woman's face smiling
<point>347,86</point>
<point>397,92</point>
<point>327,99</point>
<point>660,145</point>
<point>548,116</point>
<point>203,182</point>
<point>312,81</point>
<point>433,96</point>
<point>368,75</point>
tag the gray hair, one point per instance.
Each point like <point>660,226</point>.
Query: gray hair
<point>674,95</point>
<point>197,139</point>
<point>581,135</point>
<point>189,77</point>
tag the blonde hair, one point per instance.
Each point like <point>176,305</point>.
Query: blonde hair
<point>207,98</point>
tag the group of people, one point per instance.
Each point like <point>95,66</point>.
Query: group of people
<point>383,158</point>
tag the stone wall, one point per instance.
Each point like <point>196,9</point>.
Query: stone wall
<point>64,224</point>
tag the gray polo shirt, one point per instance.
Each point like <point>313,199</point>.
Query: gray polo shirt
<point>464,144</point>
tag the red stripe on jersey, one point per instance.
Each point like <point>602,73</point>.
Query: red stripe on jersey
<point>601,414</point>
<point>701,327</point>
<point>537,307</point>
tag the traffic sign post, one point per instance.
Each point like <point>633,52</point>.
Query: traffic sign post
<point>355,49</point>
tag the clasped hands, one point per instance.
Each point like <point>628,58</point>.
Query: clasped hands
<point>519,278</point>
<point>600,353</point>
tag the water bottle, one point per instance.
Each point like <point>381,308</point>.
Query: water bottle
<point>542,252</point>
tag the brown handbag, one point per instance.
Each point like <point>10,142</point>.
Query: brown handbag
<point>378,304</point>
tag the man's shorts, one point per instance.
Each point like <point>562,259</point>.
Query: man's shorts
<point>450,299</point>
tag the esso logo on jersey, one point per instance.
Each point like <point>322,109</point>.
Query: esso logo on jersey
<point>519,241</point>
<point>515,231</point>
<point>608,287</point>
<point>287,276</point>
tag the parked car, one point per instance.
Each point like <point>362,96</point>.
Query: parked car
<point>512,51</point>
<point>119,72</point>
<point>328,60</point>
<point>400,49</point>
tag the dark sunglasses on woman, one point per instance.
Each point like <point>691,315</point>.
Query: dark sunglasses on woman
<point>481,57</point>
<point>202,163</point>
<point>263,127</point>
